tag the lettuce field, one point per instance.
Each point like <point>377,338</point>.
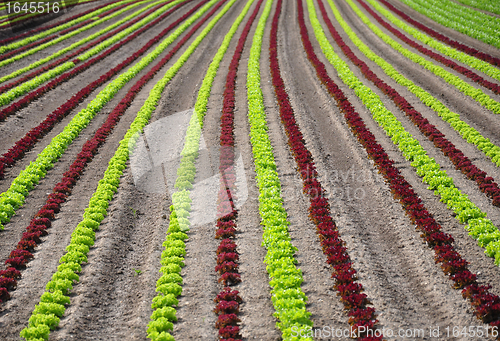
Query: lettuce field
<point>250,170</point>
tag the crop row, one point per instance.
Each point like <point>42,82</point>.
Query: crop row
<point>288,299</point>
<point>473,58</point>
<point>75,21</point>
<point>22,18</point>
<point>361,317</point>
<point>33,32</point>
<point>470,134</point>
<point>461,162</point>
<point>487,5</point>
<point>61,33</point>
<point>46,39</point>
<point>3,6</point>
<point>453,43</point>
<point>74,45</point>
<point>466,211</point>
<point>463,15</point>
<point>62,190</point>
<point>20,90</point>
<point>464,87</point>
<point>445,61</point>
<point>59,61</point>
<point>34,83</point>
<point>126,23</point>
<point>486,305</point>
<point>46,316</point>
<point>179,223</point>
<point>36,170</point>
<point>66,2</point>
<point>124,33</point>
<point>32,137</point>
<point>69,48</point>
<point>228,301</point>
<point>462,19</point>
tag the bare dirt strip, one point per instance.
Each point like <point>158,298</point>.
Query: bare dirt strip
<point>471,112</point>
<point>464,39</point>
<point>397,271</point>
<point>402,270</point>
<point>476,9</point>
<point>112,300</point>
<point>37,112</point>
<point>65,43</point>
<point>70,215</point>
<point>475,115</point>
<point>6,32</point>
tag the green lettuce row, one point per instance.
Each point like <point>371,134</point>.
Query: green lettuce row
<point>20,16</point>
<point>78,43</point>
<point>11,95</point>
<point>68,35</point>
<point>470,134</point>
<point>487,5</point>
<point>200,106</point>
<point>67,2</point>
<point>15,18</point>
<point>49,310</point>
<point>43,34</point>
<point>22,89</point>
<point>471,61</point>
<point>14,197</point>
<point>102,46</point>
<point>288,299</point>
<point>466,211</point>
<point>484,31</point>
<point>4,6</point>
<point>171,259</point>
<point>72,46</point>
<point>462,15</point>
<point>464,87</point>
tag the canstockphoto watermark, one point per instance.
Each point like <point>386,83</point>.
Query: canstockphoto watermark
<point>339,193</point>
<point>354,174</point>
<point>467,332</point>
<point>156,157</point>
<point>344,185</point>
<point>348,185</point>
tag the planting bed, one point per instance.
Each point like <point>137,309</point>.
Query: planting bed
<point>250,170</point>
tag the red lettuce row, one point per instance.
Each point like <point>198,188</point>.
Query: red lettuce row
<point>19,257</point>
<point>36,16</point>
<point>448,62</point>
<point>64,59</point>
<point>453,43</point>
<point>56,35</point>
<point>44,40</point>
<point>485,183</point>
<point>486,306</point>
<point>48,27</point>
<point>227,257</point>
<point>31,138</point>
<point>43,320</point>
<point>228,306</point>
<point>172,257</point>
<point>31,96</point>
<point>361,317</point>
<point>21,14</point>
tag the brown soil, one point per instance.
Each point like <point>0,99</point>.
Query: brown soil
<point>112,300</point>
<point>455,35</point>
<point>477,9</point>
